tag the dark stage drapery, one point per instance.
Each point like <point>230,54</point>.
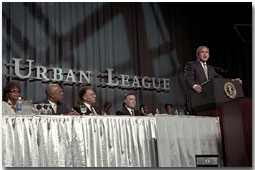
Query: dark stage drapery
<point>144,39</point>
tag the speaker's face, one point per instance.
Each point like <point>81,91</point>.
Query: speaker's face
<point>203,54</point>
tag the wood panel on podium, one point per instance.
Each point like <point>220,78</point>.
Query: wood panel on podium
<point>224,98</point>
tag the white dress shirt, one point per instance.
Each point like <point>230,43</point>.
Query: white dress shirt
<point>52,104</point>
<point>130,111</point>
<point>89,107</point>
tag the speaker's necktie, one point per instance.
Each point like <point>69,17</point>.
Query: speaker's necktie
<point>206,71</point>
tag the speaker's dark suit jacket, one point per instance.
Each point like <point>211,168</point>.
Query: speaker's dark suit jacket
<point>125,111</point>
<point>62,108</point>
<point>194,73</point>
<point>88,112</point>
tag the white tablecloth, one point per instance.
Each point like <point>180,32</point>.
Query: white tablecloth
<point>74,141</point>
<point>181,138</point>
<point>106,141</point>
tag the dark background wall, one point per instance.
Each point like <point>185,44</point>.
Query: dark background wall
<point>224,27</point>
<point>144,39</point>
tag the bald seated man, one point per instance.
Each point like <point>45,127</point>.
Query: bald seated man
<point>55,96</point>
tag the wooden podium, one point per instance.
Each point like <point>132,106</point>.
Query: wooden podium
<point>237,127</point>
<point>214,94</point>
<point>235,113</point>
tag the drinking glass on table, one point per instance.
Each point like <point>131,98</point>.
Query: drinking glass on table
<point>37,109</point>
<point>48,109</point>
<point>27,107</point>
<point>83,108</point>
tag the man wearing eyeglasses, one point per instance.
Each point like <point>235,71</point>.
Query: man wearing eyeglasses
<point>88,98</point>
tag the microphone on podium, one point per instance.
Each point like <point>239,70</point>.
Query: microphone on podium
<point>222,71</point>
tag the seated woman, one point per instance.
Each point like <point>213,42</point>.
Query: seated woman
<point>10,96</point>
<point>144,109</point>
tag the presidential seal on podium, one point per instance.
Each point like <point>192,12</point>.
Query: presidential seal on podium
<point>230,90</point>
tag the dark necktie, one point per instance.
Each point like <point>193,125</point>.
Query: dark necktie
<point>92,110</point>
<point>132,113</point>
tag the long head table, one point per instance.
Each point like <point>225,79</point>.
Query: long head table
<point>107,141</point>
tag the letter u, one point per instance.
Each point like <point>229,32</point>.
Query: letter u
<point>17,68</point>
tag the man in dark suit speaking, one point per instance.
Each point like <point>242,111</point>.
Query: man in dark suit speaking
<point>198,72</point>
<point>129,104</point>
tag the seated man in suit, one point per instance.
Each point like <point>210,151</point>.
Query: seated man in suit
<point>197,72</point>
<point>129,104</point>
<point>88,98</point>
<point>54,95</point>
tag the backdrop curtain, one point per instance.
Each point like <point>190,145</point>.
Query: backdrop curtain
<point>143,39</point>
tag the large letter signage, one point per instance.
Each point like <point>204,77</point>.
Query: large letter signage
<point>123,81</point>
